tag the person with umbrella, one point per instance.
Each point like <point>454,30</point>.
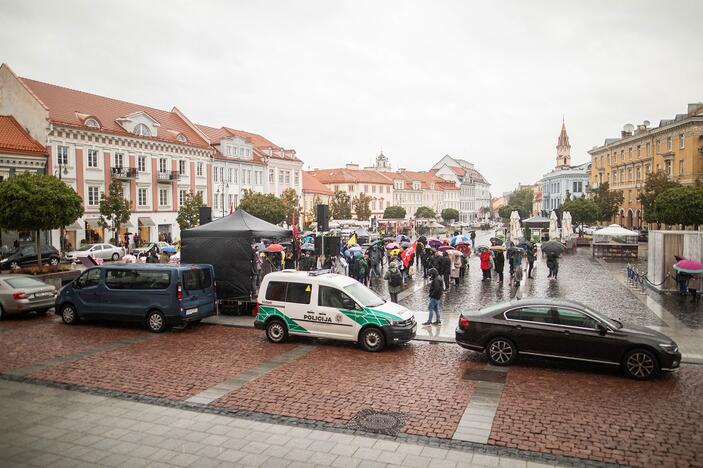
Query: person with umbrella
<point>363,269</point>
<point>446,266</point>
<point>486,264</point>
<point>499,263</point>
<point>472,235</point>
<point>395,280</point>
<point>436,289</point>
<point>530,251</point>
<point>686,270</point>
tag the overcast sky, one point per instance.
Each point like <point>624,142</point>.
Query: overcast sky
<point>337,81</point>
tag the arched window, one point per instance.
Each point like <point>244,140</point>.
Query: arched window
<point>142,130</point>
<point>182,138</point>
<point>91,122</point>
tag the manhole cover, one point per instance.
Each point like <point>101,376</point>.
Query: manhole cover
<point>378,422</point>
<point>485,375</point>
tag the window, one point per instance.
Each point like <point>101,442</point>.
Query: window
<point>141,197</point>
<point>668,167</point>
<point>90,122</point>
<point>299,293</point>
<point>89,278</point>
<point>120,279</point>
<point>622,155</point>
<point>351,189</point>
<point>141,163</point>
<point>200,278</point>
<point>639,150</point>
<point>162,164</point>
<point>333,297</point>
<point>181,167</point>
<point>230,172</point>
<point>531,314</point>
<point>280,177</point>
<point>235,175</point>
<point>182,138</point>
<point>577,187</point>
<point>629,153</point>
<point>366,189</point>
<point>199,169</point>
<point>276,291</point>
<point>647,147</point>
<point>93,195</point>
<point>119,160</point>
<point>271,176</point>
<point>201,194</point>
<point>669,144</point>
<point>681,167</point>
<point>638,175</point>
<point>144,279</point>
<point>297,178</point>
<point>682,141</point>
<point>248,176</point>
<point>288,177</point>
<point>259,177</point>
<point>373,189</point>
<point>142,130</point>
<point>92,158</point>
<point>656,146</point>
<point>575,318</point>
<point>62,155</point>
<point>388,189</point>
<point>182,196</point>
<point>163,197</point>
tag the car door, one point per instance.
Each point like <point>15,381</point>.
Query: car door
<point>583,340</point>
<point>299,307</point>
<point>28,255</point>
<point>343,316</point>
<point>88,289</point>
<point>119,299</point>
<point>107,251</point>
<point>534,330</point>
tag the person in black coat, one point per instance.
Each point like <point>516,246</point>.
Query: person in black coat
<point>446,266</point>
<point>499,261</point>
<point>436,289</point>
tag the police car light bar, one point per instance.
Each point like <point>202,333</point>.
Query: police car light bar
<point>319,272</point>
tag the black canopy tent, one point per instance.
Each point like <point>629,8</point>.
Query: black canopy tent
<point>226,244</point>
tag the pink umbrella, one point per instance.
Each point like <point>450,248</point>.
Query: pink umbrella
<point>444,248</point>
<point>275,248</point>
<point>689,266</point>
<point>391,246</point>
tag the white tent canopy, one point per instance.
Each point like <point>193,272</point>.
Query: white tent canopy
<point>615,233</point>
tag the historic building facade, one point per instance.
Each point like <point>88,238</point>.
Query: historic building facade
<point>474,197</point>
<point>675,147</point>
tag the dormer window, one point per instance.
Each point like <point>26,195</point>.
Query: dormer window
<point>142,130</point>
<point>182,138</point>
<point>91,122</point>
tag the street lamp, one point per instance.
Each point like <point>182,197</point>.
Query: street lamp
<point>224,186</point>
<point>60,172</point>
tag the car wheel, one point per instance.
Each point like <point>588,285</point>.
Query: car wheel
<point>372,339</point>
<point>14,264</point>
<point>155,321</point>
<point>115,257</point>
<point>501,351</point>
<point>640,364</point>
<point>69,315</point>
<point>53,261</point>
<point>276,331</point>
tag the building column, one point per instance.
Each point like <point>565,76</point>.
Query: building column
<point>80,176</point>
<point>192,177</point>
<point>154,184</point>
<point>132,184</point>
<point>208,195</point>
<point>107,169</point>
<point>174,185</point>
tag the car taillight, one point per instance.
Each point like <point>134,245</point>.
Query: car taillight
<point>179,292</point>
<point>19,295</point>
<point>255,310</point>
<point>463,322</point>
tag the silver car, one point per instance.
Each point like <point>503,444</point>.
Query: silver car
<point>104,251</point>
<point>25,293</point>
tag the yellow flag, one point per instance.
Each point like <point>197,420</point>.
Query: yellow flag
<point>352,240</point>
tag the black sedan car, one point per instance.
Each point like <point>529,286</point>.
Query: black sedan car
<point>26,255</point>
<point>549,328</point>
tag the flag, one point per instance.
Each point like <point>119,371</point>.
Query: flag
<point>296,235</point>
<point>351,241</point>
<point>407,255</point>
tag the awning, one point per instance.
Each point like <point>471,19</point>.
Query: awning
<point>92,223</point>
<point>128,224</point>
<point>74,227</point>
<point>146,221</point>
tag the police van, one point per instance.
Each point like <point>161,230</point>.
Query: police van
<point>327,305</point>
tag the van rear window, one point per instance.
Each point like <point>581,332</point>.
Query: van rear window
<point>276,291</point>
<point>200,278</point>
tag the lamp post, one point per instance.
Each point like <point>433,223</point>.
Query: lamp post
<point>60,172</point>
<point>223,185</point>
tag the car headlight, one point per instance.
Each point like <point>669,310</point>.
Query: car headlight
<point>393,322</point>
<point>669,347</point>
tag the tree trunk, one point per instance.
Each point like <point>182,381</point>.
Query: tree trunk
<point>38,244</point>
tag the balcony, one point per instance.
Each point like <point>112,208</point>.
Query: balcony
<point>124,172</point>
<point>164,177</point>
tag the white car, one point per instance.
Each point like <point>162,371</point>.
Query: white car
<point>327,305</point>
<point>104,251</point>
<point>146,247</point>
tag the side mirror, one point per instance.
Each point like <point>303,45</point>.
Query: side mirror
<point>602,329</point>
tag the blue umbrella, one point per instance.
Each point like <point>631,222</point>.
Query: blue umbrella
<point>170,250</point>
<point>308,246</point>
<point>354,248</point>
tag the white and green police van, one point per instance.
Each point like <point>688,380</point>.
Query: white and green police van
<point>327,305</point>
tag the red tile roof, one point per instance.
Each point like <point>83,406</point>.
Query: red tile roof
<point>312,185</point>
<point>70,107</point>
<point>16,140</point>
<point>352,176</point>
<point>258,141</point>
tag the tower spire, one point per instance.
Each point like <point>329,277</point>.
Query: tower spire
<point>563,148</point>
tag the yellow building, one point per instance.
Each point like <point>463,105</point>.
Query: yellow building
<point>675,147</point>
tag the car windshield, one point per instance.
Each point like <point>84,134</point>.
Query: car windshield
<point>85,247</point>
<point>364,295</point>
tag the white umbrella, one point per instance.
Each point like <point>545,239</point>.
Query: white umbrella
<point>515,229</point>
<point>567,229</point>
<point>553,226</point>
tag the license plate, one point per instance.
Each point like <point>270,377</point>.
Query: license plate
<point>194,310</point>
<point>42,294</point>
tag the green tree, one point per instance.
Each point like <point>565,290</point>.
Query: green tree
<point>361,207</point>
<point>37,202</point>
<point>505,211</point>
<point>189,211</point>
<point>394,212</point>
<point>450,214</point>
<point>114,209</point>
<point>264,206</point>
<point>521,200</point>
<point>583,210</point>
<point>425,212</point>
<point>680,205</point>
<point>340,205</point>
<point>656,183</point>
<point>290,201</point>
<point>608,201</point>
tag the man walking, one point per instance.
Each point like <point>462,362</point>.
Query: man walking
<point>436,289</point>
<point>530,260</point>
<point>446,265</point>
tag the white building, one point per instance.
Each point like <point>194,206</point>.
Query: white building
<point>565,180</point>
<point>474,189</point>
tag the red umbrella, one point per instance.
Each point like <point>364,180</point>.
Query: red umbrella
<point>275,248</point>
<point>443,248</point>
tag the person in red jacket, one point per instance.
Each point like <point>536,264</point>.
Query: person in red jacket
<point>486,264</point>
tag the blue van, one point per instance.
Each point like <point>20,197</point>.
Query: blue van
<point>156,294</point>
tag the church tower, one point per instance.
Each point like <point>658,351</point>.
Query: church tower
<point>563,149</point>
<point>382,162</point>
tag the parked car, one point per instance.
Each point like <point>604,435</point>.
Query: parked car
<point>329,306</point>
<point>566,330</point>
<point>642,235</point>
<point>26,255</point>
<point>24,293</point>
<point>104,251</point>
<point>161,245</point>
<point>158,295</point>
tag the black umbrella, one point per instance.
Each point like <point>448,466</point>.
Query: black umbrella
<point>553,247</point>
<point>496,241</point>
<point>422,240</point>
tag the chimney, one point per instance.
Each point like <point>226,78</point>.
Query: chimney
<point>353,166</point>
